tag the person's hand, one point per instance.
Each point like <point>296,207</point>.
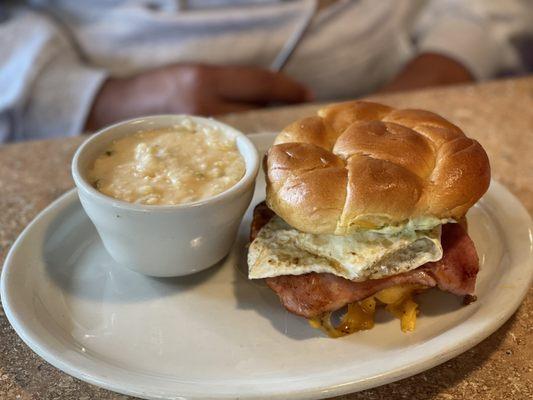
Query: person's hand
<point>192,89</point>
<point>428,70</point>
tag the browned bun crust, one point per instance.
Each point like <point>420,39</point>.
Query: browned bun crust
<point>363,165</point>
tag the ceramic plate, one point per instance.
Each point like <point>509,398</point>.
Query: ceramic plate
<point>216,335</point>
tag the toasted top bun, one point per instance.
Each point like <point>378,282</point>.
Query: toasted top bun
<point>360,165</point>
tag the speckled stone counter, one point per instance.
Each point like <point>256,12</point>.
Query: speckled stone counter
<point>498,114</point>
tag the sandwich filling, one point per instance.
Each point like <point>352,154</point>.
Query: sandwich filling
<point>318,295</point>
<point>280,249</point>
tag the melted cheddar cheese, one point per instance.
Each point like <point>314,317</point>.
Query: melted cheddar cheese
<point>359,316</point>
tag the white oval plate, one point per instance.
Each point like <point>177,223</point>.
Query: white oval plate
<point>216,335</point>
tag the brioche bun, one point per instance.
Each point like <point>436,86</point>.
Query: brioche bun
<point>359,165</point>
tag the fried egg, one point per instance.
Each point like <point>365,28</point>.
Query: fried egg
<point>280,249</point>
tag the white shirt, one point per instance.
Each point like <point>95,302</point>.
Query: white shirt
<point>56,53</point>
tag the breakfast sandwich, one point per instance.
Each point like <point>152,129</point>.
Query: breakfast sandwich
<point>365,206</point>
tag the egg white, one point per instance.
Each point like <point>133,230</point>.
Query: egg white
<point>280,249</point>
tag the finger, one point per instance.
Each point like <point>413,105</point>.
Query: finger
<point>257,85</point>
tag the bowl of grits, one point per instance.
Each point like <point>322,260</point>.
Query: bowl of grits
<point>166,193</point>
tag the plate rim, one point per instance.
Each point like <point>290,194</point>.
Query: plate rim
<point>319,391</point>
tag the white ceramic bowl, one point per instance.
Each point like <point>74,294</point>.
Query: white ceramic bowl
<point>165,240</point>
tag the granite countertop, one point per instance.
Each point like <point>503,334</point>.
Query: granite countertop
<point>498,114</point>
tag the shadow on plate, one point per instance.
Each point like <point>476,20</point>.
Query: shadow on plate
<point>78,263</point>
<point>256,296</point>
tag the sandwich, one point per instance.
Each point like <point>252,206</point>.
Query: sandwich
<point>365,208</point>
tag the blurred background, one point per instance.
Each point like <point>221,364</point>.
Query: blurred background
<point>72,66</point>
